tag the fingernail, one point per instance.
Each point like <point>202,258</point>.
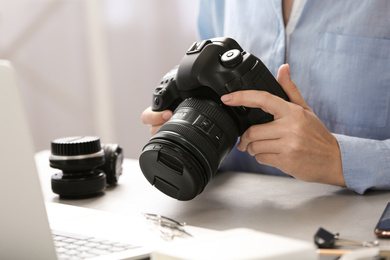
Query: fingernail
<point>226,98</point>
<point>288,68</point>
<point>167,115</point>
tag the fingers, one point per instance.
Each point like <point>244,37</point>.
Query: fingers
<point>154,129</point>
<point>289,86</point>
<point>150,117</point>
<point>262,132</point>
<point>155,119</point>
<point>264,147</point>
<point>257,99</point>
<point>266,101</point>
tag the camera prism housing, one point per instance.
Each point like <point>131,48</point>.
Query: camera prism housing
<point>186,152</point>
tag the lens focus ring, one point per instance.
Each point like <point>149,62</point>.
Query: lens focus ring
<point>204,128</point>
<point>186,151</point>
<point>211,109</point>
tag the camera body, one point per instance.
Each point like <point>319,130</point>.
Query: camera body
<point>211,69</point>
<point>187,151</point>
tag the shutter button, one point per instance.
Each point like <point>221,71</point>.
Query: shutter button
<point>231,58</point>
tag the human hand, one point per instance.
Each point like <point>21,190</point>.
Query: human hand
<point>155,119</point>
<point>296,141</point>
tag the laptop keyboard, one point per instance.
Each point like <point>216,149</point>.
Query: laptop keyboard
<point>75,246</point>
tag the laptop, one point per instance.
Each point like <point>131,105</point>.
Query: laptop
<point>25,232</point>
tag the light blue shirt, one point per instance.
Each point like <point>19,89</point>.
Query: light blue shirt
<point>339,56</point>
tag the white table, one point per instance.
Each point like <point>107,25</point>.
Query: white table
<point>277,205</point>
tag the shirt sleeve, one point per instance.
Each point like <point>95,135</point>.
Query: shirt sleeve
<point>366,163</point>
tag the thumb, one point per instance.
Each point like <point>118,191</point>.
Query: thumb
<point>289,86</point>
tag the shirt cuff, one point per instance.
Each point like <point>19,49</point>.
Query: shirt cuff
<point>365,163</point>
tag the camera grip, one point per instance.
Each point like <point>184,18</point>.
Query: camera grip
<point>260,78</point>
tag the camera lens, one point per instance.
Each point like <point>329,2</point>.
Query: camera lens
<point>77,157</point>
<point>182,157</point>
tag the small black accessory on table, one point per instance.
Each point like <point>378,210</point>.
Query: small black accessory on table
<point>325,239</point>
<point>87,166</point>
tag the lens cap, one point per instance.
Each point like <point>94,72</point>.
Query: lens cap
<point>172,170</point>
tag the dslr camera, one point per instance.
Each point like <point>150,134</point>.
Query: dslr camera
<point>186,152</point>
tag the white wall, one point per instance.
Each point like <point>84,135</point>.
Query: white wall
<point>49,43</point>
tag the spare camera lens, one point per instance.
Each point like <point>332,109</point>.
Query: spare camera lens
<point>77,157</point>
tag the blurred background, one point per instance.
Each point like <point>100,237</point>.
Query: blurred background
<point>89,67</point>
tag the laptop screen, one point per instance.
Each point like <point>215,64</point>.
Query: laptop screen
<point>24,227</point>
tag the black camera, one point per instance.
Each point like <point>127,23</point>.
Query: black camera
<point>86,165</point>
<point>185,153</point>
